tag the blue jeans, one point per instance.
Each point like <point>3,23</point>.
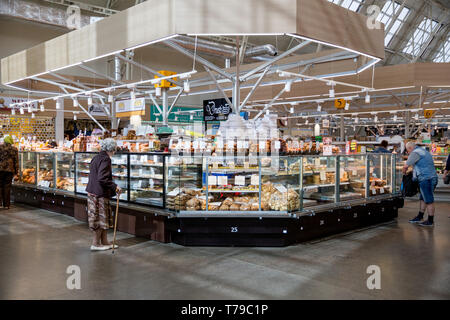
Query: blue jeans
<point>427,189</point>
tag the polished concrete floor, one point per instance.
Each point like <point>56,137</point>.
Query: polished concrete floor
<point>37,246</point>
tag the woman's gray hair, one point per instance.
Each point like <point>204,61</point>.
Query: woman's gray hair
<point>410,145</point>
<point>108,145</point>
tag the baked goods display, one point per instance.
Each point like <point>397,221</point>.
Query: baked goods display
<point>28,176</point>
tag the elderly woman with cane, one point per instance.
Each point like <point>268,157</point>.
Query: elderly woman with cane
<point>100,189</point>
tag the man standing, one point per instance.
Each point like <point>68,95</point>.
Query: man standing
<point>382,148</point>
<point>425,172</point>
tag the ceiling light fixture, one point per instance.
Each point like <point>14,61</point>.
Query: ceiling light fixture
<point>367,98</point>
<point>187,86</point>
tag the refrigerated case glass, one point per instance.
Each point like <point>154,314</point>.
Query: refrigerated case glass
<point>319,179</point>
<point>82,162</point>
<point>381,174</point>
<point>65,171</point>
<point>119,164</point>
<point>147,179</point>
<point>28,165</point>
<point>46,169</point>
<point>352,176</point>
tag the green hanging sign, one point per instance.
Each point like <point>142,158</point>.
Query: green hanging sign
<point>174,117</point>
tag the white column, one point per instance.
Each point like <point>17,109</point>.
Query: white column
<point>59,123</point>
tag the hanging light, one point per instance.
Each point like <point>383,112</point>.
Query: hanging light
<point>291,110</point>
<point>288,86</point>
<point>267,112</point>
<point>319,108</point>
<point>13,112</point>
<point>21,110</point>
<point>42,107</point>
<point>90,101</point>
<point>367,98</point>
<point>58,105</point>
<point>30,110</point>
<point>376,118</point>
<point>110,98</point>
<point>307,121</point>
<point>158,91</point>
<point>133,95</point>
<point>74,116</point>
<point>347,106</point>
<point>356,120</point>
<point>416,116</point>
<point>187,86</point>
<point>75,103</point>
<point>33,116</point>
<point>395,117</point>
<point>191,117</point>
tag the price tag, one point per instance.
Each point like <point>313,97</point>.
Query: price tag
<point>295,145</point>
<point>317,162</point>
<point>174,192</point>
<point>354,173</point>
<point>215,165</point>
<point>323,175</point>
<point>277,145</point>
<point>253,161</point>
<point>281,188</point>
<point>202,145</point>
<point>240,144</point>
<point>246,145</point>
<point>381,190</point>
<point>327,150</point>
<point>220,144</point>
<point>113,134</point>
<point>230,144</point>
<point>374,191</point>
<point>84,180</point>
<point>231,165</point>
<point>212,180</point>
<point>196,145</point>
<point>254,180</point>
<point>151,183</point>
<point>246,165</point>
<point>239,180</point>
<point>262,145</point>
<point>222,180</point>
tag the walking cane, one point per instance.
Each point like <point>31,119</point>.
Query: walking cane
<point>115,222</point>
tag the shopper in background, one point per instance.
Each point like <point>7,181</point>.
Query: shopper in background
<point>425,172</point>
<point>100,189</point>
<point>382,148</point>
<point>9,167</point>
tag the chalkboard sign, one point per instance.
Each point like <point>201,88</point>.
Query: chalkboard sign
<point>216,109</point>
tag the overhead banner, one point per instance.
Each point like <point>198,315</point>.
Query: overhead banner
<point>216,109</point>
<point>98,110</point>
<point>5,102</point>
<point>126,106</point>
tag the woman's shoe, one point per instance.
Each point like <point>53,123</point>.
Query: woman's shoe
<point>100,248</point>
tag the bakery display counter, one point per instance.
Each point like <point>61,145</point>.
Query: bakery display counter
<point>228,200</point>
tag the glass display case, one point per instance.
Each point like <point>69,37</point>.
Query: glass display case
<point>28,167</point>
<point>46,172</point>
<point>65,171</point>
<point>147,179</point>
<point>228,185</point>
<point>119,164</point>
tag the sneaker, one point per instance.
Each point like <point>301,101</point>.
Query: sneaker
<point>416,220</point>
<point>100,248</point>
<point>426,224</point>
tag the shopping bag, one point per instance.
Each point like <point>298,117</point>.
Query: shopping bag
<point>409,187</point>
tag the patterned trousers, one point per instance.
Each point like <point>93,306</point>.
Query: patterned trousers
<point>99,213</point>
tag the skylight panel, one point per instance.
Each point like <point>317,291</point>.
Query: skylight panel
<point>421,36</point>
<point>389,12</point>
<point>443,54</point>
<point>352,5</point>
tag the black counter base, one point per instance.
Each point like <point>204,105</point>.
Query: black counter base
<point>151,223</point>
<point>278,232</point>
